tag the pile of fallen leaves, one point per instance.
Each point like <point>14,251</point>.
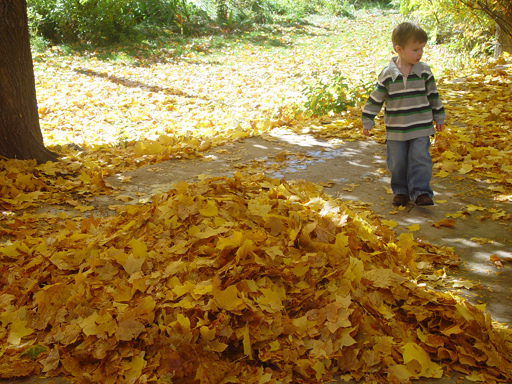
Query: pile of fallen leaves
<point>235,280</point>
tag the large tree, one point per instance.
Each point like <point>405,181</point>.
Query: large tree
<point>20,132</point>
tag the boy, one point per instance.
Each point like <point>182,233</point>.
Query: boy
<point>408,88</point>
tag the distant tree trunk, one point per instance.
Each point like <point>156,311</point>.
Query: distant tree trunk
<point>20,132</point>
<point>503,41</point>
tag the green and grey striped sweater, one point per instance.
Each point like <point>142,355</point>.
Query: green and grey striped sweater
<point>412,104</point>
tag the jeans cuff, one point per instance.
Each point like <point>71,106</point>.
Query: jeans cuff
<point>417,194</point>
<point>401,192</point>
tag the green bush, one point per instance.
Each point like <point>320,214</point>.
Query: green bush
<point>101,21</point>
<point>334,95</point>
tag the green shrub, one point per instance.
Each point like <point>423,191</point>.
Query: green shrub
<point>101,21</point>
<point>334,95</point>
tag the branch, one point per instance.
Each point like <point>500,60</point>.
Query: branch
<point>502,19</point>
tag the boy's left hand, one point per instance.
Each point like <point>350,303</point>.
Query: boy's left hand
<point>439,127</point>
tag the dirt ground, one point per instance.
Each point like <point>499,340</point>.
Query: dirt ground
<point>357,171</point>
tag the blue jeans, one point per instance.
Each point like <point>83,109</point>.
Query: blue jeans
<point>411,167</point>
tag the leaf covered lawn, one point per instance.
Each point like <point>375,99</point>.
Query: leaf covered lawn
<point>233,280</point>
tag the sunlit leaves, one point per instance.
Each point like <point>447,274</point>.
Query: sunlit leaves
<point>296,279</point>
<point>201,279</point>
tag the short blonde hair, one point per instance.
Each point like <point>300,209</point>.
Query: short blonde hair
<point>407,32</point>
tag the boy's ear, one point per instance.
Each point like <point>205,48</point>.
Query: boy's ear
<point>398,49</point>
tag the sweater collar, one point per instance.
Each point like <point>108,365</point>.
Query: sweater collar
<point>395,72</point>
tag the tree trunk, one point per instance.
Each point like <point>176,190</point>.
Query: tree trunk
<point>503,42</point>
<point>20,132</point>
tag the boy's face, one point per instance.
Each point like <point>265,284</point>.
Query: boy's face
<point>412,52</point>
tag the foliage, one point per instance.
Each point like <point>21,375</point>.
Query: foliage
<point>101,21</point>
<point>499,11</point>
<point>451,22</point>
<point>334,94</point>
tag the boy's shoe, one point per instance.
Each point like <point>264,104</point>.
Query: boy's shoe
<point>424,199</point>
<point>400,200</point>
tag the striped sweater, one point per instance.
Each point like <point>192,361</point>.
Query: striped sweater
<point>412,104</point>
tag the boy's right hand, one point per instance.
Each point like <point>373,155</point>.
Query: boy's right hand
<point>366,132</point>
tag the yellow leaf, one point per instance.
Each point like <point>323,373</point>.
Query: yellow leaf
<point>302,325</point>
<point>207,333</point>
<point>135,367</point>
<point>389,223</point>
<point>10,251</point>
<point>413,352</point>
<point>466,168</point>
<point>210,210</point>
<point>84,208</point>
<point>148,148</point>
<point>228,299</point>
<point>271,300</point>
<point>274,345</point>
<point>259,210</point>
<point>472,208</point>
<point>455,215</point>
<point>216,346</point>
<point>383,278</point>
<point>498,188</point>
<point>445,223</point>
<point>18,331</point>
<point>300,270</point>
<point>139,249</point>
<point>85,178</point>
<point>414,227</point>
<point>442,173</point>
<point>319,368</point>
<point>247,342</point>
<point>465,312</point>
<point>475,376</point>
<point>388,190</point>
<point>133,265</point>
<point>31,196</point>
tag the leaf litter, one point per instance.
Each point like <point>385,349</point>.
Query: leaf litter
<point>229,280</point>
<point>229,271</point>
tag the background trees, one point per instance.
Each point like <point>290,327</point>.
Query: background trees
<point>473,24</point>
<point>501,13</point>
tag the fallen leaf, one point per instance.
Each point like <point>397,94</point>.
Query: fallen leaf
<point>445,223</point>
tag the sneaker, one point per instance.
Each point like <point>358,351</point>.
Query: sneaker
<point>400,199</point>
<point>423,200</point>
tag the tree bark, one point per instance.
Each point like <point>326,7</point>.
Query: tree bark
<point>503,41</point>
<point>20,132</point>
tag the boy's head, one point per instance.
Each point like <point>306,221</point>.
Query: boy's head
<point>406,33</point>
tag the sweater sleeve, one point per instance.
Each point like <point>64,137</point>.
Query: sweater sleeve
<point>374,104</point>
<point>435,101</point>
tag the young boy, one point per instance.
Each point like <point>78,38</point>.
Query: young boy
<point>408,88</point>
